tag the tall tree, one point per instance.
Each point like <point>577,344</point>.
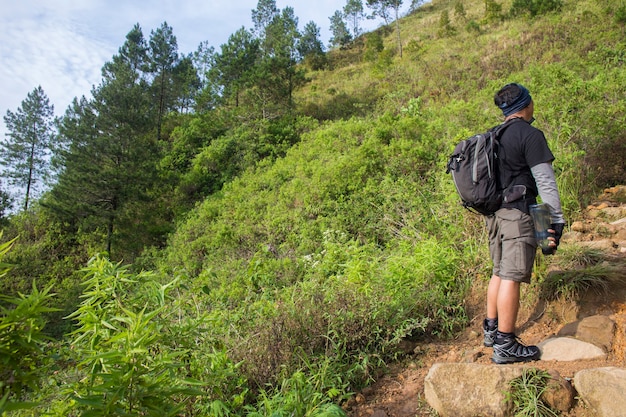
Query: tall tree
<point>339,30</point>
<point>263,15</point>
<point>278,74</point>
<point>383,9</point>
<point>203,58</point>
<point>233,68</point>
<point>353,10</point>
<point>396,7</point>
<point>25,153</point>
<point>207,97</point>
<point>310,46</point>
<point>109,161</point>
<point>186,83</point>
<point>163,55</point>
<point>380,8</point>
<point>415,4</point>
<point>71,197</point>
<point>134,51</point>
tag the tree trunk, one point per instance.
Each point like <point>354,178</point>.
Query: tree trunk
<point>398,33</point>
<point>30,175</point>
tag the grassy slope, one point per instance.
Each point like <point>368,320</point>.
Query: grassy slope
<point>572,62</point>
<point>359,218</point>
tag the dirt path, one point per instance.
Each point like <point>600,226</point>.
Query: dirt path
<point>400,393</point>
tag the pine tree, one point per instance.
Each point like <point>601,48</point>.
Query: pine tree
<point>354,11</point>
<point>263,15</point>
<point>277,72</point>
<point>310,46</point>
<point>382,8</point>
<point>163,59</point>
<point>234,66</point>
<point>25,153</point>
<point>340,33</point>
<point>108,166</point>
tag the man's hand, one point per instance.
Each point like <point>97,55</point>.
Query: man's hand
<point>556,230</point>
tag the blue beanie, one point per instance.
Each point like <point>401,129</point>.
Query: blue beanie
<point>519,103</point>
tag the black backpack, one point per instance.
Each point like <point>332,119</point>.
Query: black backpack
<point>474,168</point>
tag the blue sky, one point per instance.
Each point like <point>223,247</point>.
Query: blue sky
<point>63,44</point>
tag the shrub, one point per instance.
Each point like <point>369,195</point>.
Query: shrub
<point>373,46</point>
<point>535,7</point>
<point>493,10</point>
<point>620,14</point>
<point>118,343</point>
<point>473,27</point>
<point>22,341</point>
<point>445,26</point>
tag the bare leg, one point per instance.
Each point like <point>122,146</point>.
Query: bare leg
<point>492,297</point>
<point>503,302</point>
<point>508,305</point>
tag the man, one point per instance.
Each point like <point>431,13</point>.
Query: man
<point>525,173</point>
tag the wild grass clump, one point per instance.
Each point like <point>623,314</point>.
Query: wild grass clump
<point>580,270</point>
<point>526,391</point>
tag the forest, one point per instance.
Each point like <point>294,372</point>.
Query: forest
<point>253,229</point>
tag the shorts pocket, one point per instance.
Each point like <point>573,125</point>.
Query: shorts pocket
<point>518,258</point>
<point>515,224</point>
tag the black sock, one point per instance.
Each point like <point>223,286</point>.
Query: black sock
<point>502,335</point>
<point>491,323</point>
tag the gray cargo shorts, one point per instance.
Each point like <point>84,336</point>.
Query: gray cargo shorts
<point>512,244</point>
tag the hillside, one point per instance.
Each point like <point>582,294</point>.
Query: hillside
<point>359,217</point>
<point>296,250</point>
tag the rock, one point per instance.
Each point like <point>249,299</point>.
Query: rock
<point>615,194</point>
<point>604,244</point>
<point>603,390</point>
<point>568,349</point>
<point>559,393</point>
<point>471,355</point>
<point>572,237</point>
<point>620,236</point>
<point>614,213</point>
<point>579,227</point>
<point>406,346</point>
<point>597,329</point>
<point>464,389</point>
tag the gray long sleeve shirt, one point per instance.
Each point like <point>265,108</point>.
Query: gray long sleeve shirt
<point>548,191</point>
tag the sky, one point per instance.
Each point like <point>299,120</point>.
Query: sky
<point>61,45</point>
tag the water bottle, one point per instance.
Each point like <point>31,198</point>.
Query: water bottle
<point>541,219</point>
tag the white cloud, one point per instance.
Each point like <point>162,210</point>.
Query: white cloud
<point>63,44</point>
<point>49,51</point>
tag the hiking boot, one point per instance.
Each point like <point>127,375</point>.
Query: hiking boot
<point>489,333</point>
<point>510,350</point>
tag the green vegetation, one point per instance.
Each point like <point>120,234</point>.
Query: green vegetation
<point>526,392</point>
<point>580,270</point>
<point>261,241</point>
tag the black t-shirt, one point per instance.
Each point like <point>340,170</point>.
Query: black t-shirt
<point>522,146</point>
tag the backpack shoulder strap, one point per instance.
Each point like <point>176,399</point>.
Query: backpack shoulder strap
<point>499,129</point>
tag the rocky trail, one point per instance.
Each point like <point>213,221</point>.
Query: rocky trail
<point>401,392</point>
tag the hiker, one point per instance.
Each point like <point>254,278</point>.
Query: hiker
<point>525,172</point>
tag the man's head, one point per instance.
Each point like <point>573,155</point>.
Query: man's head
<point>512,99</point>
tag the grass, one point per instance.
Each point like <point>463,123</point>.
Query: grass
<point>526,392</point>
<point>580,270</point>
